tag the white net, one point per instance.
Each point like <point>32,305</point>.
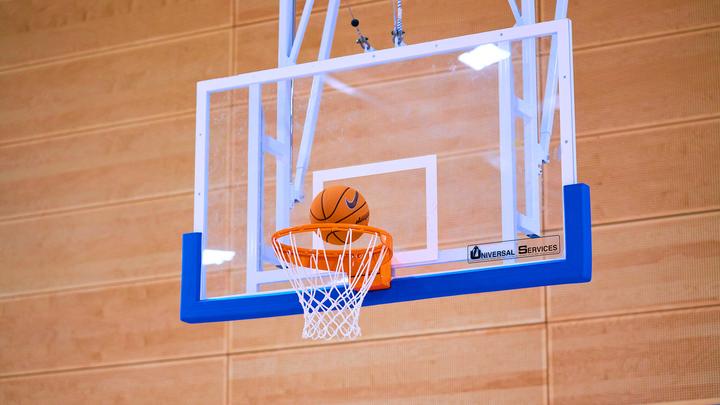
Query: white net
<point>331,283</point>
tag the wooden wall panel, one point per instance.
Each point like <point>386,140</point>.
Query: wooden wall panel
<point>96,133</point>
<point>647,82</point>
<point>498,366</point>
<point>182,382</point>
<point>644,174</point>
<point>666,356</point>
<point>127,163</point>
<point>648,265</point>
<point>49,29</point>
<point>111,88</point>
<point>94,247</point>
<point>611,21</point>
<point>115,325</point>
<point>101,246</point>
<point>253,11</point>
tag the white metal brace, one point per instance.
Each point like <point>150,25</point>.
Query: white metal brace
<point>551,88</point>
<point>313,108</point>
<point>511,109</point>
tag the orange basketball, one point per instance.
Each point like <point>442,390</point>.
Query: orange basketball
<point>339,204</point>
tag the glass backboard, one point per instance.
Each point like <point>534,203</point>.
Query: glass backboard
<point>463,148</point>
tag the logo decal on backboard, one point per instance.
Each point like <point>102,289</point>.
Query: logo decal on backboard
<point>514,249</point>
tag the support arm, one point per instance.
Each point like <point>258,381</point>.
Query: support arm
<point>313,108</point>
<point>551,89</point>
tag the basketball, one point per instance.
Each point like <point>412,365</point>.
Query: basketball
<point>339,204</point>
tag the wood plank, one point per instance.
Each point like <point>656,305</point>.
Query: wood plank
<point>598,22</point>
<point>115,325</point>
<point>645,174</point>
<point>669,356</point>
<point>109,89</point>
<point>39,30</point>
<point>498,366</point>
<point>187,382</point>
<point>113,165</point>
<point>253,11</point>
<point>648,82</point>
<point>108,245</point>
<point>645,266</point>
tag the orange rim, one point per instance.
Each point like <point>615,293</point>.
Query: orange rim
<point>384,237</point>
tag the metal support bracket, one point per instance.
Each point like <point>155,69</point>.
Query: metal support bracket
<point>313,108</point>
<point>536,141</point>
<point>524,108</point>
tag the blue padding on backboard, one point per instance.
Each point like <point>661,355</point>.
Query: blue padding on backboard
<point>575,268</point>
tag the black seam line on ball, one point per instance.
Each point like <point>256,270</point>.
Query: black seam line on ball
<point>338,203</point>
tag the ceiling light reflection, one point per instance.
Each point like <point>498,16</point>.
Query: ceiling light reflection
<point>483,56</point>
<point>216,257</point>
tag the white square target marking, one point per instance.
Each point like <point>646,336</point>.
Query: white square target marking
<point>429,164</point>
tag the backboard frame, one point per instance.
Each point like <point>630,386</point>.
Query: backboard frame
<point>574,268</point>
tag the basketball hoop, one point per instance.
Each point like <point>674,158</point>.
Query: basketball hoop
<point>332,281</point>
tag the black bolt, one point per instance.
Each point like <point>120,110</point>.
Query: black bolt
<point>355,22</point>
